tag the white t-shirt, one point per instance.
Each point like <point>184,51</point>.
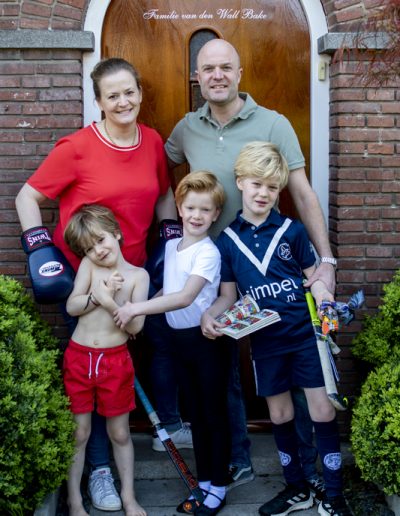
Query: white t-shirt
<point>201,259</point>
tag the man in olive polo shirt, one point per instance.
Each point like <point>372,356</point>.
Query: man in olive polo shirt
<point>206,145</point>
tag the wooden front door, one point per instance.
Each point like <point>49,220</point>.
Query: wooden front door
<point>162,37</point>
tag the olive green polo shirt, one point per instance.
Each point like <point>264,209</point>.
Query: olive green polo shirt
<point>199,140</point>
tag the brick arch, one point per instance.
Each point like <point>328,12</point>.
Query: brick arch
<point>61,15</point>
<point>70,15</point>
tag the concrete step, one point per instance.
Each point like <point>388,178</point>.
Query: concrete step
<point>156,465</point>
<point>160,497</point>
<point>159,489</point>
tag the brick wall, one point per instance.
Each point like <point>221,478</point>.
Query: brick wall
<point>41,100</point>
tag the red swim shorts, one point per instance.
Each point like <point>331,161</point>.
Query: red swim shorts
<point>99,376</point>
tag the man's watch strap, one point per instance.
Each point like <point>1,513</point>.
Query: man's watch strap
<point>329,259</point>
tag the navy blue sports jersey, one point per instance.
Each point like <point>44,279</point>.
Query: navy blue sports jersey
<point>266,262</point>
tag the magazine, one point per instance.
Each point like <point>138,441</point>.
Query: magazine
<point>245,317</point>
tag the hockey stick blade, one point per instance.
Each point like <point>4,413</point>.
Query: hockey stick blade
<point>176,458</point>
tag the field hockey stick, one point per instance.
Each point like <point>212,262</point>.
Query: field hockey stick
<point>329,370</point>
<point>176,458</point>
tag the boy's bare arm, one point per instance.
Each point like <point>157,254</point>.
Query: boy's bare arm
<point>228,295</point>
<point>140,293</point>
<point>79,301</point>
<point>161,304</point>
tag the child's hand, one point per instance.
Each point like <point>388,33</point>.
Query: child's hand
<point>114,283</point>
<point>124,314</point>
<point>210,327</point>
<point>102,293</point>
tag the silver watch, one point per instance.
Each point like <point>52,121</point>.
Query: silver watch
<point>328,259</point>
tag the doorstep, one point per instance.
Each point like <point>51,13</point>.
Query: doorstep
<point>49,506</point>
<point>159,488</point>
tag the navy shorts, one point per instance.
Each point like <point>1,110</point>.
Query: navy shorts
<point>278,374</point>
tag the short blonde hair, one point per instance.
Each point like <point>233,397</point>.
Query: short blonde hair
<point>200,181</point>
<point>87,224</point>
<point>262,160</point>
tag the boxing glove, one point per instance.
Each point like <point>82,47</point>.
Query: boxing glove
<point>155,263</point>
<point>52,277</point>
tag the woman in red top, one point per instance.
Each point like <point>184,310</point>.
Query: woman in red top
<point>117,163</point>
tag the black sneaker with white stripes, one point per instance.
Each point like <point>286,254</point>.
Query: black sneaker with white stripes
<point>317,488</point>
<point>292,498</point>
<point>334,506</point>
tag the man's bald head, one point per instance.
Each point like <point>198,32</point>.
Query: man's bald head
<point>218,46</point>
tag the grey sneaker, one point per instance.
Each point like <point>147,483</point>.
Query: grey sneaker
<point>182,438</point>
<point>317,488</point>
<point>239,475</point>
<point>102,491</point>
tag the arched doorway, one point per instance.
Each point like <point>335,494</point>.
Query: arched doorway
<point>273,38</point>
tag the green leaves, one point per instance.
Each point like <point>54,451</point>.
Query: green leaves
<point>375,428</point>
<point>378,341</point>
<point>36,426</point>
<point>375,435</point>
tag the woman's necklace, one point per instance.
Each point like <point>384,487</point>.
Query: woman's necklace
<point>111,139</point>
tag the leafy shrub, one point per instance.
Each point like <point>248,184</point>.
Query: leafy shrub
<point>378,342</point>
<point>36,426</point>
<point>375,435</point>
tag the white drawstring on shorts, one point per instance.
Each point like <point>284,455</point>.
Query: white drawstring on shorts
<point>96,369</point>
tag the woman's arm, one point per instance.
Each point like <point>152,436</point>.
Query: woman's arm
<point>28,203</point>
<point>161,304</point>
<point>165,207</point>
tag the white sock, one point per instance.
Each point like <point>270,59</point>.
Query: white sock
<point>204,486</point>
<point>214,501</point>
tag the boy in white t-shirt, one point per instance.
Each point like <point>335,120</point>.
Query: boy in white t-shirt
<point>191,281</point>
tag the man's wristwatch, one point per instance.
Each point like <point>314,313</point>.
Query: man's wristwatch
<point>328,259</point>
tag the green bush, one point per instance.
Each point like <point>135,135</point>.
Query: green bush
<point>36,426</point>
<point>375,435</point>
<point>379,340</point>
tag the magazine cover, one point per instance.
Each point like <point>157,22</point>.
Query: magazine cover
<point>245,317</point>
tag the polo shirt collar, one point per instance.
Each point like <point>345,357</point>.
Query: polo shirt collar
<point>248,108</point>
<point>274,218</point>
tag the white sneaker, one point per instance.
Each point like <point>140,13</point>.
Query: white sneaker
<point>182,438</point>
<point>102,491</point>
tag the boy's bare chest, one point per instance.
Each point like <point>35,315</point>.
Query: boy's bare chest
<point>120,290</point>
